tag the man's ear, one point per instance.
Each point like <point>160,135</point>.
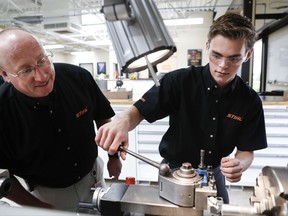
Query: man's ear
<point>249,54</point>
<point>207,45</point>
<point>4,75</point>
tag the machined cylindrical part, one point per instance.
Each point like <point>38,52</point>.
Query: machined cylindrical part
<point>5,186</point>
<point>238,210</point>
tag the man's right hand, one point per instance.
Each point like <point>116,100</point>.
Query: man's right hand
<point>115,133</point>
<point>111,135</point>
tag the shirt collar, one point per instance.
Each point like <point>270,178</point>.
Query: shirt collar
<point>212,86</point>
<point>35,101</point>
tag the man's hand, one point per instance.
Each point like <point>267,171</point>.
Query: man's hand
<point>232,169</point>
<point>115,133</point>
<point>114,167</point>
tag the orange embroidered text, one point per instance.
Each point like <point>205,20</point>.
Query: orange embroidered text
<point>82,112</point>
<point>234,117</point>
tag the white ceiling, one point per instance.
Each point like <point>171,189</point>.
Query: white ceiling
<point>37,14</point>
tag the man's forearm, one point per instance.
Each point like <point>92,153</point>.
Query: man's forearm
<point>21,196</point>
<point>245,158</point>
<point>132,117</point>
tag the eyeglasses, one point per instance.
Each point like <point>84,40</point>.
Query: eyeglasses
<point>218,59</point>
<point>42,63</point>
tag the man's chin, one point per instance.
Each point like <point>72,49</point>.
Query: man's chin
<point>42,92</point>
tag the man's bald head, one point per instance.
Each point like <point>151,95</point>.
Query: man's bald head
<point>15,40</point>
<point>21,51</point>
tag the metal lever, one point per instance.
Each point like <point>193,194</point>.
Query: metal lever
<point>163,168</point>
<point>147,160</point>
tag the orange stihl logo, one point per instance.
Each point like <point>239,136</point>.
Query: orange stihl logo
<point>234,117</point>
<point>82,112</point>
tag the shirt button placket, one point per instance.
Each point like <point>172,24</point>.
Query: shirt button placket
<point>75,166</point>
<point>213,124</point>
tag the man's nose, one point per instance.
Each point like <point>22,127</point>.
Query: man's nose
<point>39,74</point>
<point>224,63</point>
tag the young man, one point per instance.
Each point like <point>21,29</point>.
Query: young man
<point>210,108</point>
<point>47,132</point>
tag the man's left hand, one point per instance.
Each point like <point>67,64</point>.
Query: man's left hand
<point>114,167</point>
<point>232,169</point>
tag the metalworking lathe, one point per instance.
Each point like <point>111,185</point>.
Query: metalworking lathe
<point>179,192</point>
<point>182,192</point>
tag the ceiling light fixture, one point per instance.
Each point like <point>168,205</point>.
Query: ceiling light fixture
<point>138,34</point>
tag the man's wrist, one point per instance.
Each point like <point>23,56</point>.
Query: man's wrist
<point>116,155</point>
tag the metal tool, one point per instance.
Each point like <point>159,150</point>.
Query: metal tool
<point>202,171</point>
<point>270,196</point>
<point>181,192</point>
<point>164,168</point>
<point>5,183</point>
<point>178,185</point>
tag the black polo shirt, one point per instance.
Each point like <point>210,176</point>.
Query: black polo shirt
<point>51,142</point>
<point>203,118</point>
<point>1,80</point>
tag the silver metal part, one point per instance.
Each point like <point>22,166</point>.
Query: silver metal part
<point>115,10</point>
<point>214,205</point>
<point>98,193</point>
<point>180,193</point>
<point>202,154</point>
<point>140,157</point>
<point>31,211</point>
<point>270,196</point>
<point>178,185</point>
<point>5,183</point>
<point>141,199</point>
<point>164,169</point>
<point>186,172</point>
<point>145,199</point>
<point>230,210</point>
<point>217,207</point>
<point>152,72</point>
<point>201,196</point>
<point>271,191</point>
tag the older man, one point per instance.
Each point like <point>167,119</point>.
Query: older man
<point>46,125</point>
